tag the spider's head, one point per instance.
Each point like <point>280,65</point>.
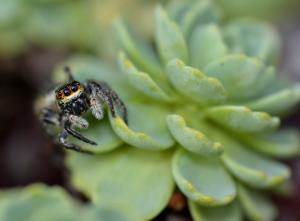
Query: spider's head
<point>68,92</point>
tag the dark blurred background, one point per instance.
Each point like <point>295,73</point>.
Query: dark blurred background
<point>26,155</point>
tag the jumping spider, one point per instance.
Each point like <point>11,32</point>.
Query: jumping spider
<point>64,106</point>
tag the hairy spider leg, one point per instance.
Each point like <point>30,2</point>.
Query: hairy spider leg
<point>108,96</point>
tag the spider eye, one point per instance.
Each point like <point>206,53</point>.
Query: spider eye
<point>67,92</point>
<point>74,87</point>
<point>59,95</point>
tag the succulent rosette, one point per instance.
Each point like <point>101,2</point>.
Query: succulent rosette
<point>204,99</point>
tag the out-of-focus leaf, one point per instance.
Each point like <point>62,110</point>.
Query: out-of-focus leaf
<point>141,80</point>
<point>256,205</point>
<point>140,53</point>
<point>243,77</point>
<point>170,40</point>
<point>147,127</point>
<point>38,202</point>
<point>206,44</point>
<point>193,84</point>
<point>242,119</point>
<point>49,26</point>
<point>278,102</point>
<point>282,143</point>
<point>203,180</point>
<point>127,178</point>
<point>192,139</point>
<point>11,12</point>
<point>230,212</point>
<point>198,12</point>
<point>253,38</point>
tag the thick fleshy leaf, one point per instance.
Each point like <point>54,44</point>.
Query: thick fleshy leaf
<point>278,102</point>
<point>101,133</point>
<point>256,205</point>
<point>253,38</point>
<point>169,38</point>
<point>147,127</point>
<point>203,180</point>
<point>243,77</point>
<point>206,44</point>
<point>192,139</point>
<point>140,53</point>
<point>282,143</point>
<point>198,12</point>
<point>250,167</point>
<point>141,80</point>
<point>242,119</point>
<point>230,212</point>
<point>127,178</point>
<point>193,84</point>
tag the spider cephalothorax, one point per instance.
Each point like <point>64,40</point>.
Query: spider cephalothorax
<point>72,100</point>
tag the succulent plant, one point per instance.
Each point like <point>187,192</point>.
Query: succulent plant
<point>204,108</point>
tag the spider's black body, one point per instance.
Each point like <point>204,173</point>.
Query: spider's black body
<point>73,99</point>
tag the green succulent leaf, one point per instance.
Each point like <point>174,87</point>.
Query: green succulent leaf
<point>230,212</point>
<point>199,12</point>
<point>242,119</point>
<point>203,180</point>
<point>252,168</point>
<point>130,178</point>
<point>243,77</point>
<point>256,205</point>
<point>206,45</point>
<point>147,128</point>
<point>278,102</point>
<point>283,143</point>
<point>193,84</point>
<point>191,139</point>
<point>169,38</point>
<point>140,53</point>
<point>253,38</point>
<point>141,81</point>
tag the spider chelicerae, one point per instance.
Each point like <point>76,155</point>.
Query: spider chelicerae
<point>64,106</point>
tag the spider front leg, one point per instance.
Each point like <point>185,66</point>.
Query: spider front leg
<point>68,122</point>
<point>102,93</point>
<point>70,146</point>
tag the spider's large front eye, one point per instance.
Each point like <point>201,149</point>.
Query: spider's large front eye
<point>67,92</point>
<point>74,87</point>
